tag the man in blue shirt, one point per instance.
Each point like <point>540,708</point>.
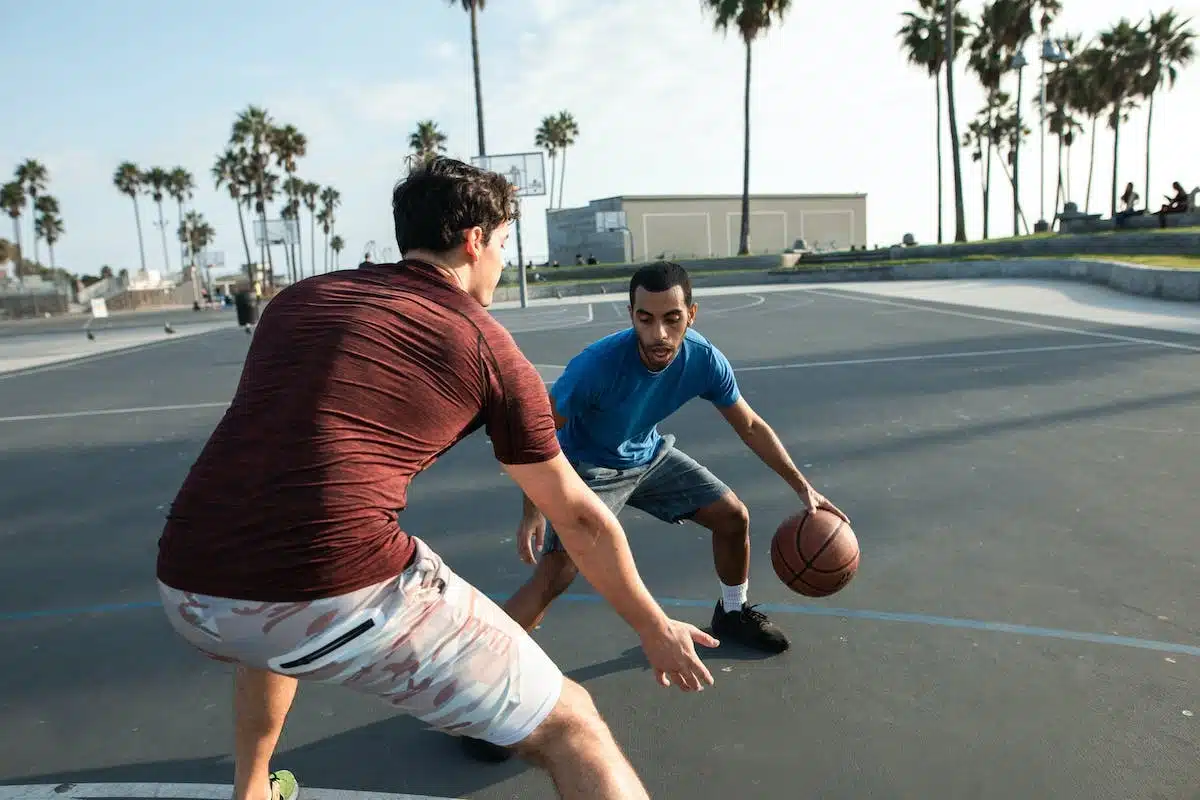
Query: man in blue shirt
<point>607,405</point>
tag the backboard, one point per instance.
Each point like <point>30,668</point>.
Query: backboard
<point>280,231</point>
<point>608,221</point>
<point>526,171</point>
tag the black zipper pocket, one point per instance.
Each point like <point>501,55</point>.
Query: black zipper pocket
<point>325,650</point>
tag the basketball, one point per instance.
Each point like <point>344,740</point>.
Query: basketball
<point>815,553</point>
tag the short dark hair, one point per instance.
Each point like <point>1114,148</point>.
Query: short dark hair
<point>443,197</point>
<point>661,276</point>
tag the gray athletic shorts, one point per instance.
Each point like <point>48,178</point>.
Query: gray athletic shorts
<point>426,642</point>
<point>672,487</point>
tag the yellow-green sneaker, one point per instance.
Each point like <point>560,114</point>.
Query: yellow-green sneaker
<point>283,785</point>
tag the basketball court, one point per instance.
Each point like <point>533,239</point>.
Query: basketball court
<point>1023,623</point>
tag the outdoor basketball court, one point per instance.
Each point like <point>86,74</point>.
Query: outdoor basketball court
<point>1023,623</point>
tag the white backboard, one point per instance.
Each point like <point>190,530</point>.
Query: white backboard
<point>526,171</point>
<point>607,221</point>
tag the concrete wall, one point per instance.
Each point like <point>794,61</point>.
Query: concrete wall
<point>571,231</point>
<point>1167,284</point>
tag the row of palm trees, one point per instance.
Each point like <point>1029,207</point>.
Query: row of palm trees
<point>1105,78</point>
<point>257,167</point>
<point>27,191</point>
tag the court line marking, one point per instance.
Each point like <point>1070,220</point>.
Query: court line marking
<point>849,362</point>
<point>118,351</point>
<point>850,295</point>
<point>932,356</point>
<point>775,608</point>
<point>182,791</point>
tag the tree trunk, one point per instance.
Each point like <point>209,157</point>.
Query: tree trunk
<point>182,243</point>
<point>937,82</point>
<point>1149,120</point>
<point>162,227</point>
<point>1087,201</point>
<point>744,236</point>
<point>562,179</point>
<point>1116,148</point>
<point>242,225</point>
<point>960,222</point>
<point>987,188</point>
<point>1058,187</point>
<point>553,182</point>
<point>478,82</point>
<point>19,256</point>
<point>312,239</point>
<point>1016,161</point>
<point>137,218</point>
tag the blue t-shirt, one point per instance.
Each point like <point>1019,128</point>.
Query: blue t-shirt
<point>612,403</point>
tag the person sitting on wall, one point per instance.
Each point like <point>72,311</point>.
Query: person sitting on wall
<point>1129,200</point>
<point>1177,204</point>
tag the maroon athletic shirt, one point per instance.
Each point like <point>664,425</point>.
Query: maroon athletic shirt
<point>355,382</point>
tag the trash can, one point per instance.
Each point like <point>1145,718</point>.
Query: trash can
<point>247,309</point>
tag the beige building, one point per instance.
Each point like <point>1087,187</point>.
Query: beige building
<point>646,227</point>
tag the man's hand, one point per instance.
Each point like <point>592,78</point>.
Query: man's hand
<point>813,500</point>
<point>531,535</point>
<point>673,657</point>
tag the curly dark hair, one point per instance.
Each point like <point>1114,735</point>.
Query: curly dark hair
<point>661,276</point>
<point>441,199</point>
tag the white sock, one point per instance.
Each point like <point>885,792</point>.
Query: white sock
<point>734,597</point>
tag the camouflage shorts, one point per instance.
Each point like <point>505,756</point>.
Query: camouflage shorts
<point>426,641</point>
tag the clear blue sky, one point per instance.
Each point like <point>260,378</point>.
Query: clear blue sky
<point>657,95</point>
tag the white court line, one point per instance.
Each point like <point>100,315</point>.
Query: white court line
<point>66,363</point>
<point>181,791</point>
<point>111,411</point>
<point>540,328</point>
<point>931,356</point>
<point>1119,337</point>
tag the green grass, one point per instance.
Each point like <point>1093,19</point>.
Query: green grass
<point>1162,261</point>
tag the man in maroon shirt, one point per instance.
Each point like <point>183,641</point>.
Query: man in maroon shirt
<point>283,552</point>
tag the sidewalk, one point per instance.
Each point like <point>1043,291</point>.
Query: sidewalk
<point>26,352</point>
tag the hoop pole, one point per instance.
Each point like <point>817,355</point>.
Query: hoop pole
<point>521,259</point>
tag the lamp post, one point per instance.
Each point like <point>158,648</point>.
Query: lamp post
<point>1054,53</point>
<point>1018,63</point>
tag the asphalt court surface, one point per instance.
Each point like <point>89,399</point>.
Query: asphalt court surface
<point>1023,623</point>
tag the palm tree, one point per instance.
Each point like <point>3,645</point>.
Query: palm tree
<point>128,180</point>
<point>289,144</point>
<point>226,172</point>
<point>309,195</point>
<point>331,198</point>
<point>923,41</point>
<point>336,244</point>
<point>1080,78</point>
<point>473,7</point>
<point>48,225</point>
<point>180,186</point>
<point>12,201</point>
<point>426,142</point>
<point>197,235</point>
<point>1169,48</point>
<point>952,46</point>
<point>34,176</point>
<point>293,189</point>
<point>751,18</point>
<point>1119,78</point>
<point>1059,89</point>
<point>252,135</point>
<point>156,181</point>
<point>546,137</point>
<point>566,131</point>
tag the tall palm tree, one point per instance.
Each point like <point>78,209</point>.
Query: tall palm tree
<point>924,43</point>
<point>252,135</point>
<point>1080,78</point>
<point>426,142</point>
<point>952,46</point>
<point>34,176</point>
<point>546,137</point>
<point>1119,78</point>
<point>128,180</point>
<point>473,7</point>
<point>12,201</point>
<point>1059,88</point>
<point>1169,46</point>
<point>226,172</point>
<point>156,181</point>
<point>48,225</point>
<point>293,189</point>
<point>309,195</point>
<point>752,18</point>
<point>180,185</point>
<point>289,144</point>
<point>331,198</point>
<point>197,235</point>
<point>566,131</point>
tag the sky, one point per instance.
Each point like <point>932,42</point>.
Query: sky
<point>656,92</point>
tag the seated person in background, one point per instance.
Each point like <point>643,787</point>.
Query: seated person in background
<point>1177,204</point>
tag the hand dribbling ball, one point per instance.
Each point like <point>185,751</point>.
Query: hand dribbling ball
<point>815,553</point>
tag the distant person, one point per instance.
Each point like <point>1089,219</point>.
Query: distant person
<point>283,551</point>
<point>1176,204</point>
<point>591,260</point>
<point>607,405</point>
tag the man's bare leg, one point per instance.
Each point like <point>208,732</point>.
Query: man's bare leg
<point>553,575</point>
<point>261,701</point>
<point>576,747</point>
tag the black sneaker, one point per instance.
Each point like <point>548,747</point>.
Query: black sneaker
<point>480,750</point>
<point>748,627</point>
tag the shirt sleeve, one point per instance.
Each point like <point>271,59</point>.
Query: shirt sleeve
<point>517,415</point>
<point>722,388</point>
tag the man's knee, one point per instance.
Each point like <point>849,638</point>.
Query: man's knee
<point>555,572</point>
<point>572,727</point>
<point>728,515</point>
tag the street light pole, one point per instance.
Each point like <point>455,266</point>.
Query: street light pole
<point>516,181</point>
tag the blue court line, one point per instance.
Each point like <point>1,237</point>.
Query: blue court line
<point>772,608</point>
